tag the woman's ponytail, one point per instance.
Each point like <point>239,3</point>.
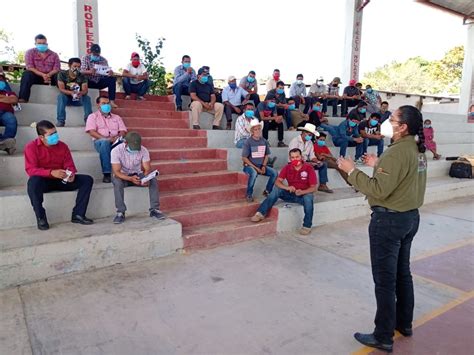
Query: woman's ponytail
<point>413,118</point>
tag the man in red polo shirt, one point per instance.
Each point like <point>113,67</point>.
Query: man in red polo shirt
<point>49,164</point>
<point>302,182</point>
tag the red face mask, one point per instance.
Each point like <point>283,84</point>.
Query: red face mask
<point>276,76</point>
<point>136,62</point>
<point>295,163</point>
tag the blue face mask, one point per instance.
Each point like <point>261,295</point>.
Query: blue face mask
<point>250,79</point>
<point>204,79</point>
<point>280,91</point>
<point>3,85</point>
<point>186,65</point>
<point>363,110</point>
<point>316,108</point>
<point>369,91</point>
<point>321,143</point>
<point>95,58</point>
<point>352,124</point>
<point>131,151</point>
<point>52,139</point>
<point>42,47</point>
<point>106,108</point>
<point>374,123</point>
<point>271,104</point>
<point>307,138</point>
<point>232,85</point>
<point>291,107</point>
<point>249,113</point>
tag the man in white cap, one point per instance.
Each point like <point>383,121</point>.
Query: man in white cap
<point>232,97</point>
<point>304,142</point>
<point>255,154</point>
<point>318,93</point>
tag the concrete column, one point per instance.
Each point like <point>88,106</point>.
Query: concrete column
<point>353,25</point>
<point>467,83</point>
<point>86,25</point>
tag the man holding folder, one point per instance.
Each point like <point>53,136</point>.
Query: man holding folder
<point>131,166</point>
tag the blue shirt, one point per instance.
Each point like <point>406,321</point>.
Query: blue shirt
<point>181,75</point>
<point>234,96</point>
<point>344,130</point>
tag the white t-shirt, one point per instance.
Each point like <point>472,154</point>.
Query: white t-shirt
<point>140,70</point>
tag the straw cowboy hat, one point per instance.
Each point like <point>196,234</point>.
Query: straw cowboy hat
<point>311,128</point>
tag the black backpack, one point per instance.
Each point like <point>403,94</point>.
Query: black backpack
<point>461,169</point>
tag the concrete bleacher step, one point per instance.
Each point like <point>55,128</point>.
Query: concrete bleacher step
<point>28,255</point>
<point>133,122</point>
<point>189,166</point>
<point>222,233</point>
<point>174,142</point>
<point>154,98</point>
<point>47,94</point>
<point>149,113</point>
<point>180,182</point>
<point>190,153</point>
<point>169,132</point>
<point>35,112</point>
<point>149,104</point>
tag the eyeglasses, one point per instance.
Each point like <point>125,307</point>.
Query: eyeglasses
<point>394,121</point>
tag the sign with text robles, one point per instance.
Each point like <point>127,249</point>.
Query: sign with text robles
<point>86,25</point>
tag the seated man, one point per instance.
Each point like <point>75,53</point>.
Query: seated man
<point>302,181</point>
<point>384,112</point>
<point>249,84</point>
<point>304,142</point>
<point>370,131</point>
<point>373,99</point>
<point>242,125</point>
<point>266,112</point>
<point>135,78</point>
<point>7,118</point>
<point>255,155</point>
<point>232,97</point>
<point>316,116</point>
<point>73,91</point>
<point>184,74</point>
<point>272,83</point>
<point>333,95</point>
<point>94,66</point>
<point>298,118</point>
<point>346,135</point>
<point>282,104</point>
<point>105,128</point>
<point>318,93</point>
<point>42,65</point>
<point>298,91</point>
<point>131,163</point>
<point>49,164</point>
<point>323,153</point>
<point>358,112</point>
<point>350,97</point>
<point>204,99</point>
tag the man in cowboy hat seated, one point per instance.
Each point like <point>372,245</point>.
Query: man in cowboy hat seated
<point>304,142</point>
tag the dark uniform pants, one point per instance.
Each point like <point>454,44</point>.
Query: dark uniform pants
<point>391,235</point>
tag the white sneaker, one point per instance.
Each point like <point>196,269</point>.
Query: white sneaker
<point>257,217</point>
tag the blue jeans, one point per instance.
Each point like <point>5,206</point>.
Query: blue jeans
<point>252,174</point>
<point>391,235</point>
<point>323,173</point>
<point>8,120</point>
<point>102,146</point>
<point>140,89</point>
<point>343,143</point>
<point>179,90</point>
<point>240,143</point>
<point>305,200</point>
<point>66,100</point>
<point>377,142</point>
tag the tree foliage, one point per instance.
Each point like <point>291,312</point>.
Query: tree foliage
<point>153,64</point>
<point>420,76</point>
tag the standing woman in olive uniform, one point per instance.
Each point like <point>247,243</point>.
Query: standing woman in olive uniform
<point>395,192</point>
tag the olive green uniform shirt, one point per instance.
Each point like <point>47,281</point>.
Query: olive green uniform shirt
<point>399,177</point>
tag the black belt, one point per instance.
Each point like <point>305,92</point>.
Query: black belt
<point>383,209</point>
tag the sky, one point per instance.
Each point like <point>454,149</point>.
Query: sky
<point>235,37</point>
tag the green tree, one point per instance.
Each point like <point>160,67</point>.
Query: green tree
<point>153,64</point>
<point>448,71</point>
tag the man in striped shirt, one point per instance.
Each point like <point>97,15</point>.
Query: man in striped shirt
<point>42,65</point>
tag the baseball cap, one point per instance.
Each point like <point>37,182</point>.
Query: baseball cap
<point>134,140</point>
<point>203,71</point>
<point>352,82</point>
<point>134,54</point>
<point>231,78</point>
<point>95,48</point>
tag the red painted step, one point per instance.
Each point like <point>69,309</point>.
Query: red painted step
<point>152,113</point>
<point>181,182</point>
<point>230,232</point>
<point>216,212</point>
<point>189,166</point>
<point>137,122</point>
<point>150,105</point>
<point>170,132</point>
<point>121,95</point>
<point>173,200</point>
<point>186,154</point>
<point>174,142</point>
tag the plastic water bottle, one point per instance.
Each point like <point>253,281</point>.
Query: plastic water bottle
<point>76,88</point>
<point>68,175</point>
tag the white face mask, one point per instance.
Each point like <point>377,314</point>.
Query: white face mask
<point>386,129</point>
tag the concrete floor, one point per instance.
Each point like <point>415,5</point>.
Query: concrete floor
<point>282,295</point>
